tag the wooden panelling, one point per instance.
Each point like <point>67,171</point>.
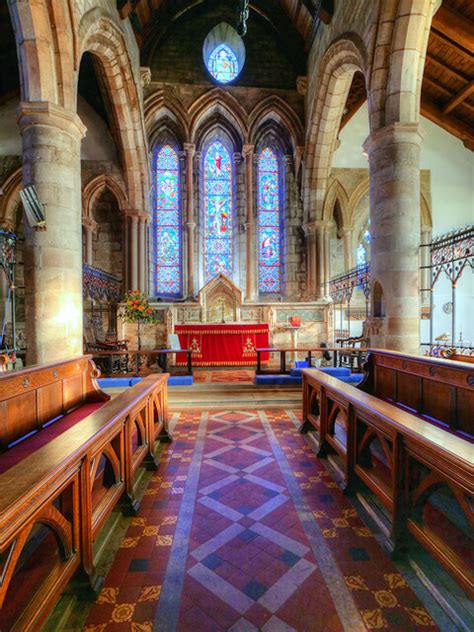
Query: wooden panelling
<point>73,393</point>
<point>18,417</point>
<point>50,403</point>
<point>32,489</point>
<point>401,456</point>
<point>386,383</point>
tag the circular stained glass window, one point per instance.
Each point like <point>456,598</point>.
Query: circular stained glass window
<point>223,64</point>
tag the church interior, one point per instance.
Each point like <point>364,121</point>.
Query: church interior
<point>236,302</point>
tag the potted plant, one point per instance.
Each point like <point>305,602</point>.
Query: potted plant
<point>137,310</point>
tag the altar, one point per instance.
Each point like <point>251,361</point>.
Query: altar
<point>215,344</point>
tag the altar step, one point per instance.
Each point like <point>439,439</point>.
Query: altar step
<point>234,396</point>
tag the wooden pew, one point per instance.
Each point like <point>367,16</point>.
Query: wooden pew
<point>402,454</point>
<point>65,479</point>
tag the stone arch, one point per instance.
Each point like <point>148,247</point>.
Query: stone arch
<point>10,199</point>
<point>45,34</point>
<point>336,193</point>
<point>341,60</point>
<point>400,47</point>
<point>426,216</point>
<point>105,41</point>
<point>217,104</point>
<point>162,105</point>
<point>274,109</point>
<point>95,187</point>
<point>272,132</point>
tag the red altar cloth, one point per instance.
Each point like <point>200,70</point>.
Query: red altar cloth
<point>222,345</point>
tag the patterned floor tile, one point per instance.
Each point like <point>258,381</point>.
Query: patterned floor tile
<point>243,529</point>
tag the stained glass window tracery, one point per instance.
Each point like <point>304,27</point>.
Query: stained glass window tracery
<point>269,222</point>
<point>218,203</point>
<point>223,64</point>
<point>168,281</point>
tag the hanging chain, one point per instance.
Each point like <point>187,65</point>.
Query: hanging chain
<point>243,16</point>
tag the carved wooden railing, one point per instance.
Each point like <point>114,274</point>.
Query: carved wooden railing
<point>413,466</point>
<point>54,501</point>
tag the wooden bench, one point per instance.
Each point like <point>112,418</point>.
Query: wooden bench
<point>63,479</point>
<point>416,464</point>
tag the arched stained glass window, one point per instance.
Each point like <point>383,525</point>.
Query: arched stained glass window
<point>223,64</point>
<point>362,253</point>
<point>269,222</point>
<point>168,282</point>
<point>218,251</point>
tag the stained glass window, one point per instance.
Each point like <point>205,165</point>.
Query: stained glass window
<point>218,254</point>
<point>223,64</point>
<point>167,223</point>
<point>363,248</point>
<point>269,222</point>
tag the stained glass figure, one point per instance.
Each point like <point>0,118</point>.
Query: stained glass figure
<point>218,251</point>
<point>223,64</point>
<point>167,224</point>
<point>363,248</point>
<point>269,223</point>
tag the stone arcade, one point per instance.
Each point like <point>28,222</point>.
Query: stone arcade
<point>290,183</point>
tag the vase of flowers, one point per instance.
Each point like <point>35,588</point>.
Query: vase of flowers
<point>137,310</point>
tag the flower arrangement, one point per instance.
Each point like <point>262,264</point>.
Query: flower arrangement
<point>137,309</point>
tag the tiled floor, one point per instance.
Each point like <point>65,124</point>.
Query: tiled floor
<point>243,529</point>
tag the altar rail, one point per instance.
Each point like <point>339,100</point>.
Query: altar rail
<point>413,466</point>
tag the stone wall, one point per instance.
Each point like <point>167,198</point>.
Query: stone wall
<point>178,59</point>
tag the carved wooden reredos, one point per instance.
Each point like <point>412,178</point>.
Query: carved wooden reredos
<point>220,300</point>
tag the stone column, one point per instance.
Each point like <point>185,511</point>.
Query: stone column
<point>327,263</point>
<point>310,232</point>
<point>394,166</point>
<point>142,267</point>
<point>89,231</point>
<point>348,238</point>
<point>51,140</point>
<point>251,250</point>
<point>321,264</point>
<point>133,251</point>
<point>126,253</point>
<point>190,148</point>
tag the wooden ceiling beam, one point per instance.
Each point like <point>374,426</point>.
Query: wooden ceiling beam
<point>445,67</point>
<point>457,48</point>
<point>459,98</point>
<point>452,125</point>
<point>449,95</point>
<point>455,26</point>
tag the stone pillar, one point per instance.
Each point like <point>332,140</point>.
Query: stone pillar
<point>190,148</point>
<point>321,265</point>
<point>51,140</point>
<point>126,253</point>
<point>327,264</point>
<point>394,166</point>
<point>251,249</point>
<point>89,227</point>
<point>133,251</point>
<point>142,267</point>
<point>348,239</point>
<point>310,232</point>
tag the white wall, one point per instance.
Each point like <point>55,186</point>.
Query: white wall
<point>97,145</point>
<point>450,163</point>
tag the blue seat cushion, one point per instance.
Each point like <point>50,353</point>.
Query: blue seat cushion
<point>180,380</point>
<point>336,371</point>
<point>113,382</point>
<point>277,379</point>
<point>301,364</point>
<point>353,378</point>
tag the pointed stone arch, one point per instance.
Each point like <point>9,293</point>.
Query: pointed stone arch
<point>274,108</point>
<point>10,199</point>
<point>218,103</point>
<point>341,60</point>
<point>95,187</point>
<point>101,37</point>
<point>164,104</point>
<point>337,193</point>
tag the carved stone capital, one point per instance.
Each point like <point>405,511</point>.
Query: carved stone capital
<point>190,149</point>
<point>248,151</point>
<point>302,84</point>
<point>44,113</point>
<point>407,133</point>
<point>145,76</point>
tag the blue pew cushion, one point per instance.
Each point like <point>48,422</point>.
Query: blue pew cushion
<point>277,379</point>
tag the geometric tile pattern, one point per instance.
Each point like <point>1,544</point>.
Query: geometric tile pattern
<point>249,561</point>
